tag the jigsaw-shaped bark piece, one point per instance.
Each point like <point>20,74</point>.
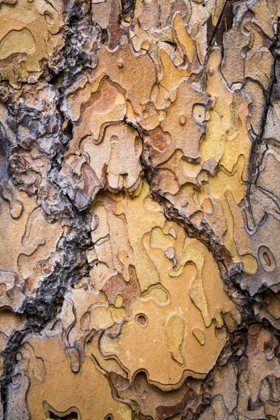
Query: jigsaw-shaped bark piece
<point>30,38</point>
<point>188,301</point>
<point>48,372</point>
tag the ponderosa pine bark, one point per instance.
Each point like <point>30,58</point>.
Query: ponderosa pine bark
<point>140,209</point>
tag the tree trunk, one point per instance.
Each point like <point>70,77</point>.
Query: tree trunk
<point>140,209</point>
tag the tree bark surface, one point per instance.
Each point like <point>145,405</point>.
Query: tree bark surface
<point>140,209</point>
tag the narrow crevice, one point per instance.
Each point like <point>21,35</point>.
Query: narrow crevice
<point>256,154</point>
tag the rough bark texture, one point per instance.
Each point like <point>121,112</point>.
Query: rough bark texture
<point>140,209</point>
